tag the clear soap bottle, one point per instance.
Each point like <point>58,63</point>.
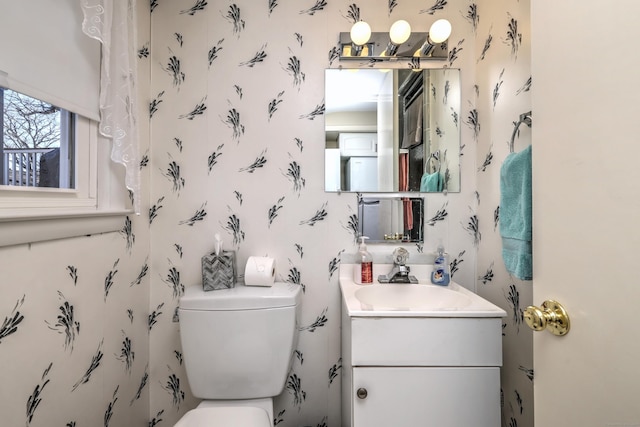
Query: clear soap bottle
<point>363,269</point>
<point>441,274</point>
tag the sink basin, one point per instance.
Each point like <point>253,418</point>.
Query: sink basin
<point>411,297</point>
<point>423,299</point>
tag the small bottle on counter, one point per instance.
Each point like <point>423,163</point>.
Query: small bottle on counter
<point>363,269</point>
<point>441,274</point>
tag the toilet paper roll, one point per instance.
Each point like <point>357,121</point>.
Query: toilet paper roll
<point>260,271</point>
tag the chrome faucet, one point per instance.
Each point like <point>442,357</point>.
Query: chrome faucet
<point>400,271</point>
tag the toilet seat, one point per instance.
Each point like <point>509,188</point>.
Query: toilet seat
<point>225,416</point>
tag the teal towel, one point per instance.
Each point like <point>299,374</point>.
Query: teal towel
<point>431,183</point>
<point>515,214</point>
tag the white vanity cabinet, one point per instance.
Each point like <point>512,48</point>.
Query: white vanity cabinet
<point>421,371</point>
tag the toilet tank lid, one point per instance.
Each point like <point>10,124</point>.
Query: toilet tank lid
<point>241,297</point>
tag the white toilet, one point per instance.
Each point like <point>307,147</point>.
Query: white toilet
<point>237,346</point>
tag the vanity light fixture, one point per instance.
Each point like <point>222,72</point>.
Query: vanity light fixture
<point>399,33</point>
<point>360,35</point>
<point>398,43</point>
<point>438,33</point>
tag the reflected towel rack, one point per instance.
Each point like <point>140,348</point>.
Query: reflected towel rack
<point>524,118</point>
<point>410,89</point>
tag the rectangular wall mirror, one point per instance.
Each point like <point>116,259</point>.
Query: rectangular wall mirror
<point>392,130</point>
<point>391,219</point>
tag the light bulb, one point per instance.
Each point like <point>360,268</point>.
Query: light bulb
<point>400,32</point>
<point>360,33</point>
<point>440,31</point>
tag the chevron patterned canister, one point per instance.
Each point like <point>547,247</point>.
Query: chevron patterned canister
<point>219,271</point>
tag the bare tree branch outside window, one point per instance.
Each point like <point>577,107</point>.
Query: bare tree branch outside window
<point>31,132</point>
<point>29,122</point>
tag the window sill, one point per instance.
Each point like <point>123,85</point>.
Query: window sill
<point>18,228</point>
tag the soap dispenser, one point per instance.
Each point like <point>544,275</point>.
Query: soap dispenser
<point>363,269</point>
<point>441,274</point>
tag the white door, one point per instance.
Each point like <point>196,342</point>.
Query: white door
<point>586,184</point>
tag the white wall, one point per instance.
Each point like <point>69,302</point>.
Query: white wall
<point>74,319</point>
<point>503,73</point>
<point>305,253</point>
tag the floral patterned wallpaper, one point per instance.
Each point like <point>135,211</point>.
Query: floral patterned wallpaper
<point>74,333</point>
<point>503,78</point>
<point>75,320</point>
<point>234,145</point>
<point>237,148</point>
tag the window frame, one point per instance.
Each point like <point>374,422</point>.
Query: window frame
<point>85,146</point>
<point>96,205</point>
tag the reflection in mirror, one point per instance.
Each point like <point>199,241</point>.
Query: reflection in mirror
<point>392,130</point>
<point>391,219</point>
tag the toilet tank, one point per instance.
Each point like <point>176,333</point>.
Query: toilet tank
<point>238,343</point>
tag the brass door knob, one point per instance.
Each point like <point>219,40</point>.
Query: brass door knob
<point>551,316</point>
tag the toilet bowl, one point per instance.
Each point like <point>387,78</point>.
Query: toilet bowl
<point>225,416</point>
<point>237,346</point>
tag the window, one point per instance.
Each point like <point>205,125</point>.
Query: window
<point>37,147</point>
<point>42,199</point>
<point>46,157</point>
<point>56,178</point>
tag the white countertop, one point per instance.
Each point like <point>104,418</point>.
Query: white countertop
<point>468,304</point>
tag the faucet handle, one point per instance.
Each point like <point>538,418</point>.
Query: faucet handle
<point>400,256</point>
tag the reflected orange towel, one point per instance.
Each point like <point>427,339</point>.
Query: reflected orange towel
<point>403,185</point>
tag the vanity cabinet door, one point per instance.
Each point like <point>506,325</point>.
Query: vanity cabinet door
<point>425,397</point>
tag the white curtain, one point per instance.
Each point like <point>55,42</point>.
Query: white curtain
<point>113,23</point>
